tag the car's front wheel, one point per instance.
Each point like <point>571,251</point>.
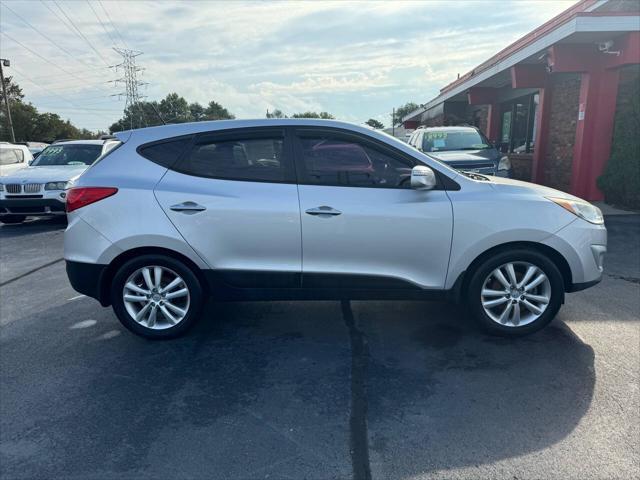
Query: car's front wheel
<point>515,292</point>
<point>12,219</point>
<point>156,296</point>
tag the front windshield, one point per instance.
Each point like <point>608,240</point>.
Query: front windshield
<point>444,141</point>
<point>68,154</point>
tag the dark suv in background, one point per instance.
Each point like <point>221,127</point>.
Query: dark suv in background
<point>463,148</point>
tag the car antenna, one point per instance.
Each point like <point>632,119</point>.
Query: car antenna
<point>158,113</point>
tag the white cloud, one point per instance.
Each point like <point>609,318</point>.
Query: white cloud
<point>356,60</point>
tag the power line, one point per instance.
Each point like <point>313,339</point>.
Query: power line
<point>89,76</point>
<point>80,33</point>
<point>113,24</point>
<point>101,23</point>
<point>40,56</point>
<point>25,76</point>
<point>26,22</point>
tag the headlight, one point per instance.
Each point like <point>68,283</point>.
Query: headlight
<point>580,208</point>
<point>55,186</point>
<point>1,187</point>
<point>504,163</point>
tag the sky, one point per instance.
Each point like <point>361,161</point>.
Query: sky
<point>356,60</point>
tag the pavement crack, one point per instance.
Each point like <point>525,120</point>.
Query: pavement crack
<point>622,277</point>
<point>29,272</point>
<point>359,435</point>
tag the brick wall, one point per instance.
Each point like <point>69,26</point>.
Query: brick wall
<point>436,121</point>
<point>478,115</point>
<point>521,166</point>
<point>565,94</point>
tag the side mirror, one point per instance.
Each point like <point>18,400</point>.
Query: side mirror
<point>423,178</point>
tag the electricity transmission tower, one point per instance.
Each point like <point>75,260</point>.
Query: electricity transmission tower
<point>131,82</point>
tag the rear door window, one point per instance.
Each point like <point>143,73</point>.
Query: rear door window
<point>257,157</point>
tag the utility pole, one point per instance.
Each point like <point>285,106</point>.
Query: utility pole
<point>130,79</point>
<point>7,63</point>
<point>393,122</point>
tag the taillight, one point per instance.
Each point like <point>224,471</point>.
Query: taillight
<point>79,197</point>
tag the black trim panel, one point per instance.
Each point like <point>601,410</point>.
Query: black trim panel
<point>353,281</point>
<point>233,285</point>
<point>576,287</point>
<point>264,286</point>
<point>86,278</point>
<point>31,202</point>
<point>251,279</point>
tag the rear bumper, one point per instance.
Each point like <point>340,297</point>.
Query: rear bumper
<point>86,278</point>
<point>32,206</point>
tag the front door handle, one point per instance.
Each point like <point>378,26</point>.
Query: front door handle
<point>323,210</point>
<point>187,207</point>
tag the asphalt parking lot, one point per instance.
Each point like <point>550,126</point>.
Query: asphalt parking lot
<point>292,390</point>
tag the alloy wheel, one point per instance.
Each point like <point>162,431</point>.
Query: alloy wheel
<point>515,294</point>
<point>156,297</point>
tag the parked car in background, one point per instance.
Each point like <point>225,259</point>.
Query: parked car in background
<point>36,148</point>
<point>463,148</point>
<point>299,209</point>
<point>13,157</point>
<point>39,189</point>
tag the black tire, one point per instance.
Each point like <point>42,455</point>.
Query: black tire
<point>190,279</point>
<point>473,294</point>
<point>12,219</point>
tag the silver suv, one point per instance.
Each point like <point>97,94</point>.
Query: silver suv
<point>313,209</point>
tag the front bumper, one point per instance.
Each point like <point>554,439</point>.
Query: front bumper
<point>583,245</point>
<point>31,206</point>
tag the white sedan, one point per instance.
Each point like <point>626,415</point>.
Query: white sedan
<point>13,157</point>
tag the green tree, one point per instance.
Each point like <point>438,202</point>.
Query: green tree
<point>402,111</point>
<point>372,122</point>
<point>276,114</point>
<point>175,109</point>
<point>31,125</point>
<point>172,109</point>
<point>197,112</point>
<point>324,115</point>
<point>215,111</point>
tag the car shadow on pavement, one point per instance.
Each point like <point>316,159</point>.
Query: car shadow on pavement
<point>262,389</point>
<point>33,225</point>
<point>443,395</point>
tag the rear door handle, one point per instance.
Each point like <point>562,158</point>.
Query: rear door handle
<point>323,210</point>
<point>187,207</point>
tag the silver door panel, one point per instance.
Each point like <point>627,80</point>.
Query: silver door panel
<point>399,233</point>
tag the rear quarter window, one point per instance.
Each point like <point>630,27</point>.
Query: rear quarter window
<point>9,156</point>
<point>166,152</point>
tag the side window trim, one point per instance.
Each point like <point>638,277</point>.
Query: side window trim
<point>301,132</point>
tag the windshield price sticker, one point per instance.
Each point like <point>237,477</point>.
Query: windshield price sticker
<point>436,135</point>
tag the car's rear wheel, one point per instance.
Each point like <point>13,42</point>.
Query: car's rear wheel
<point>11,219</point>
<point>515,292</point>
<point>156,296</point>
